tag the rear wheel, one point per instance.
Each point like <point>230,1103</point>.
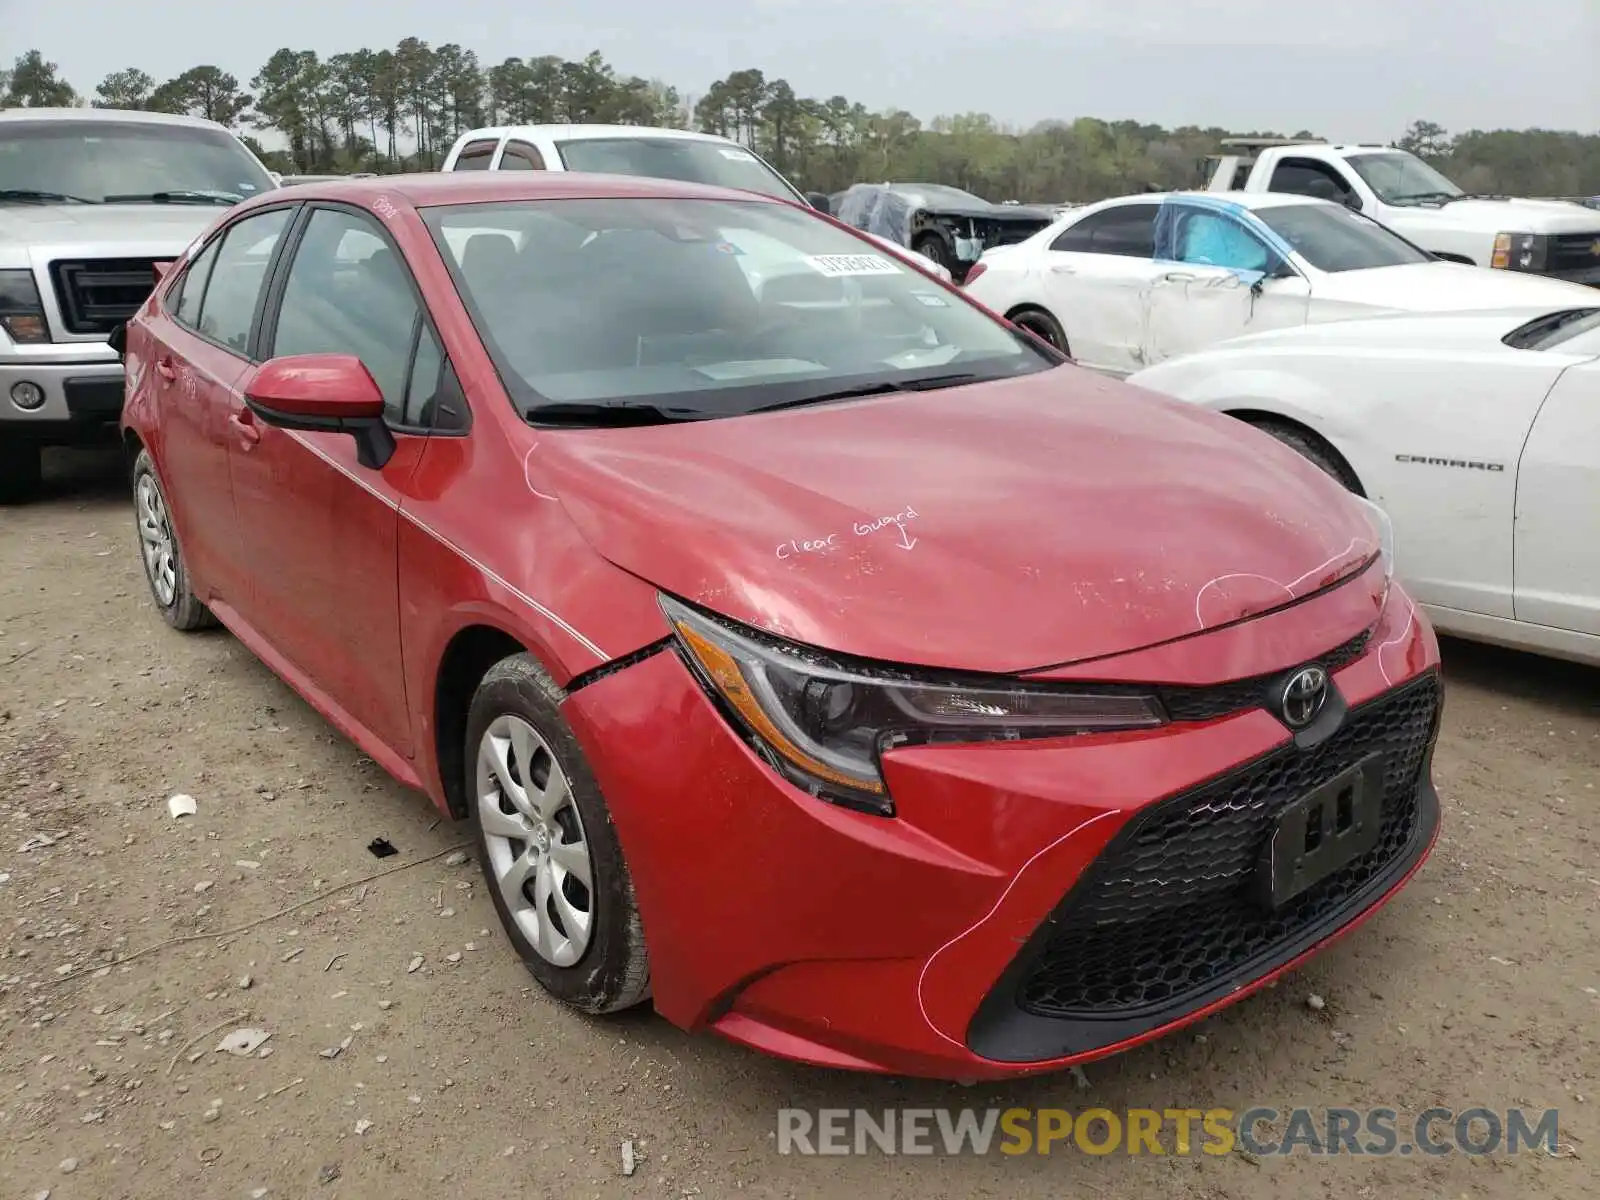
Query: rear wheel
<point>549,851</point>
<point>164,568</point>
<point>21,469</point>
<point>1043,326</point>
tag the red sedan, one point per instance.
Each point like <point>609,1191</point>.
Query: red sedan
<point>811,652</point>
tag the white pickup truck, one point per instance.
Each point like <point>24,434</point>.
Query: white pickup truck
<point>1554,238</point>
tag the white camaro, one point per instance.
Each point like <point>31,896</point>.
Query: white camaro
<point>1129,282</point>
<point>1479,434</point>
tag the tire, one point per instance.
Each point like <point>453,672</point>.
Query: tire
<point>160,554</point>
<point>933,247</point>
<point>1315,451</point>
<point>584,943</point>
<point>21,470</point>
<point>1043,326</point>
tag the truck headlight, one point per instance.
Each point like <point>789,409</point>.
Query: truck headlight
<point>824,725</point>
<point>21,313</point>
<point>1520,251</point>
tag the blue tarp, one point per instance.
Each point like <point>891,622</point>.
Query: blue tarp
<point>1201,231</point>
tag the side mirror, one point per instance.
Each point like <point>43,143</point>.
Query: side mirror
<point>819,201</point>
<point>117,339</point>
<point>324,393</point>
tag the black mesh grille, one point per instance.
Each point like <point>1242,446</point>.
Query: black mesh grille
<point>1223,699</point>
<point>99,294</point>
<point>1167,909</point>
<point>1573,252</point>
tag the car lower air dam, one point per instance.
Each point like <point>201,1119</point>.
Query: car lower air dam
<point>823,725</point>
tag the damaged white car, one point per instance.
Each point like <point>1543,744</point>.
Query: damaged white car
<point>1130,282</point>
<point>1479,435</point>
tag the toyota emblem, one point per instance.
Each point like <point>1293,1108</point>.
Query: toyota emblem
<point>1303,697</point>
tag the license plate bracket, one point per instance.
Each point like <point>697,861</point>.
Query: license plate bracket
<point>1324,830</point>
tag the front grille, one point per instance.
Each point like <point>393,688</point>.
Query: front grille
<point>1167,911</point>
<point>97,295</point>
<point>1573,252</point>
<point>1184,703</point>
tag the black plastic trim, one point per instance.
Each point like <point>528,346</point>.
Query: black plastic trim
<point>1002,1031</point>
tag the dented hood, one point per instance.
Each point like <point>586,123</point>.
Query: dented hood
<point>996,527</point>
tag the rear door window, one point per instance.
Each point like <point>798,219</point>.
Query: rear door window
<point>476,156</point>
<point>233,291</point>
<point>1127,230</point>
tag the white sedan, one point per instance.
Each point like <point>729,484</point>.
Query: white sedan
<point>1127,283</point>
<point>1479,434</point>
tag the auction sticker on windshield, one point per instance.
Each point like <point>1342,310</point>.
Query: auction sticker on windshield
<point>837,265</point>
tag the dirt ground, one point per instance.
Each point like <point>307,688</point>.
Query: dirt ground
<point>1476,987</point>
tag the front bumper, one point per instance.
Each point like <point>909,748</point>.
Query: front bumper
<point>964,938</point>
<point>82,385</point>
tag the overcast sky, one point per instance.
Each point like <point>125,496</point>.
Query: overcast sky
<point>1348,69</point>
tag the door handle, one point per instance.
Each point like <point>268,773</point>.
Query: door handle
<point>1180,277</point>
<point>166,370</point>
<point>1062,269</point>
<point>244,428</point>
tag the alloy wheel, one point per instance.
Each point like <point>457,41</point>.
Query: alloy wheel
<point>537,853</point>
<point>156,542</point>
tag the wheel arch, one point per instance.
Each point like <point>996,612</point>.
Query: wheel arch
<point>465,660</point>
<point>1261,418</point>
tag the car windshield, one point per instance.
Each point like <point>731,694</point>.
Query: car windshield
<point>1332,238</point>
<point>689,159</point>
<point>691,308</point>
<point>1401,178</point>
<point>125,162</point>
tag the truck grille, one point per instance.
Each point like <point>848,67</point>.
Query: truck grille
<point>1573,252</point>
<point>1166,911</point>
<point>97,295</point>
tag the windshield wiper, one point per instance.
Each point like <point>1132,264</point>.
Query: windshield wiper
<point>177,197</point>
<point>926,383</point>
<point>608,415</point>
<point>29,195</point>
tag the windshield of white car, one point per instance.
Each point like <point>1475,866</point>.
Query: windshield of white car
<point>125,162</point>
<point>1401,178</point>
<point>705,308</point>
<point>1332,238</point>
<point>1554,329</point>
<point>689,159</point>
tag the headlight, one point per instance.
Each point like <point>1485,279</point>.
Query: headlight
<point>21,314</point>
<point>1383,530</point>
<point>824,725</point>
<point>1520,251</point>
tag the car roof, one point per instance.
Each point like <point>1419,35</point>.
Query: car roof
<point>590,133</point>
<point>118,116</point>
<point>1253,201</point>
<point>434,188</point>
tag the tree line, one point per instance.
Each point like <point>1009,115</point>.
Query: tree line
<point>400,109</point>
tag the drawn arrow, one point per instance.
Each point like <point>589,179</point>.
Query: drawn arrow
<point>906,540</point>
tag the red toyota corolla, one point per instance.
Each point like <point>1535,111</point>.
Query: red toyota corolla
<point>811,652</point>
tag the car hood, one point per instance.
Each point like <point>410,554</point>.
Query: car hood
<point>32,235</point>
<point>997,527</point>
<point>1501,216</point>
<point>1448,287</point>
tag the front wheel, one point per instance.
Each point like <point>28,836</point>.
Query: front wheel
<point>936,250</point>
<point>547,845</point>
<point>1043,326</point>
<point>21,469</point>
